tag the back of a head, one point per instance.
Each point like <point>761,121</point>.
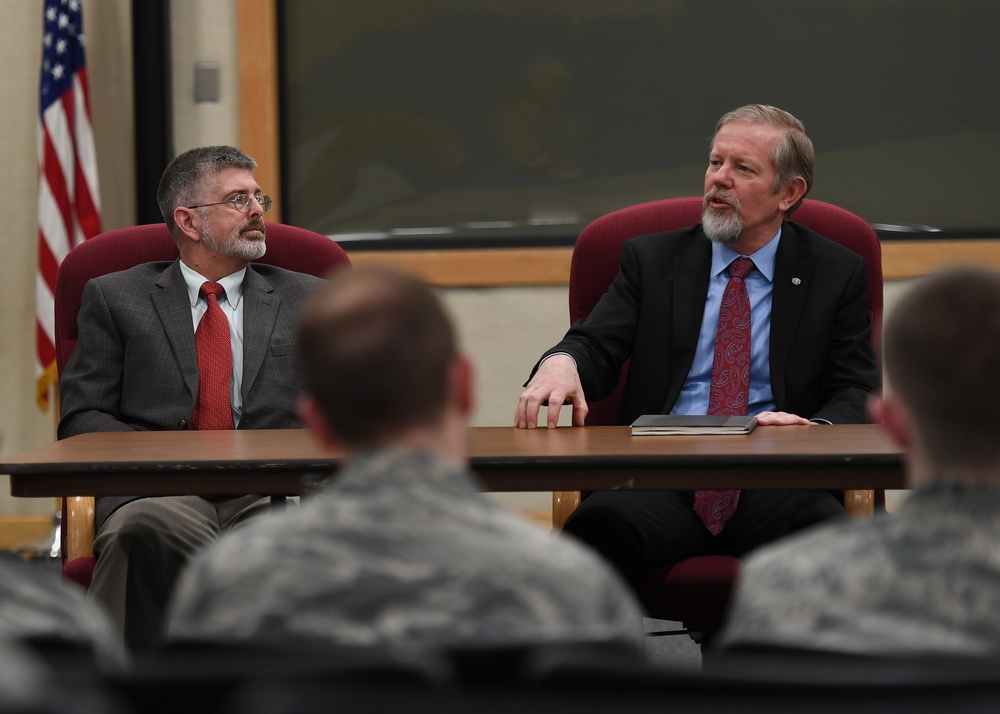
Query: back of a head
<point>183,179</point>
<point>941,352</point>
<point>375,352</point>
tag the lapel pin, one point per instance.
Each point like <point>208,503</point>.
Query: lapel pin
<point>796,281</point>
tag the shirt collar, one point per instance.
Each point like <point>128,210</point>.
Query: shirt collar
<point>763,259</point>
<point>232,284</point>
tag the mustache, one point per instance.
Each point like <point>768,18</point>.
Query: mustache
<point>725,197</point>
<point>255,225</point>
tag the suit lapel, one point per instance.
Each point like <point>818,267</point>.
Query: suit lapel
<point>690,287</point>
<point>171,302</point>
<point>260,310</point>
<point>793,267</point>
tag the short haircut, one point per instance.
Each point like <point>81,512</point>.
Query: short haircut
<point>185,179</point>
<point>941,349</point>
<point>793,155</point>
<point>375,352</point>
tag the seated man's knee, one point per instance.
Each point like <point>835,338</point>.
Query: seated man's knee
<point>129,536</point>
<point>610,533</point>
<point>815,507</point>
<point>595,518</point>
<point>143,526</point>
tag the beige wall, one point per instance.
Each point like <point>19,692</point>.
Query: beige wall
<point>505,329</point>
<point>204,32</point>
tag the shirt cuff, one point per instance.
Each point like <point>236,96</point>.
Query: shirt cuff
<point>567,354</point>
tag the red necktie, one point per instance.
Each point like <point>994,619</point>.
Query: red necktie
<point>730,388</point>
<point>214,409</point>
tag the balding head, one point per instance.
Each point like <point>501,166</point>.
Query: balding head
<point>376,352</point>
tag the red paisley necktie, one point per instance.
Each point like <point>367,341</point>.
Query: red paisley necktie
<point>214,409</point>
<point>730,388</point>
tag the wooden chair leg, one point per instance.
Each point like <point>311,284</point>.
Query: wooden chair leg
<point>563,504</point>
<point>860,502</point>
<point>79,527</point>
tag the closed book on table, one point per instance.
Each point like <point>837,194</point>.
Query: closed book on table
<point>669,424</point>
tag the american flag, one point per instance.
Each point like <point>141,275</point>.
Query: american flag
<point>69,208</point>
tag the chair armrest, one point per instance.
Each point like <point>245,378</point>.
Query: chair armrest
<point>79,527</point>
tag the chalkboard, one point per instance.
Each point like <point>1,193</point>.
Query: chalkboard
<point>449,119</point>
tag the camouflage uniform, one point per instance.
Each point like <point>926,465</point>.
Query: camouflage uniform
<point>923,580</point>
<point>34,606</point>
<point>402,548</point>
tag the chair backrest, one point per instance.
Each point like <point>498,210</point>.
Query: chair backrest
<point>289,247</point>
<point>597,250</point>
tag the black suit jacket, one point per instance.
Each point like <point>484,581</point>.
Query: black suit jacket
<point>822,359</point>
<point>135,366</point>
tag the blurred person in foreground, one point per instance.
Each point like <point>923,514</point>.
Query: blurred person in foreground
<point>38,610</point>
<point>926,578</point>
<point>401,547</point>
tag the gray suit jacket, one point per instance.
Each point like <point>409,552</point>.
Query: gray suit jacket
<point>135,364</point>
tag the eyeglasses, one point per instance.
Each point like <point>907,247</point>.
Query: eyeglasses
<point>242,203</point>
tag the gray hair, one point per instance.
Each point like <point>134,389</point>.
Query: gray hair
<point>793,155</point>
<point>185,177</point>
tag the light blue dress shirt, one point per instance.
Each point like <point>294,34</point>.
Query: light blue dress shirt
<point>693,398</point>
<point>232,306</point>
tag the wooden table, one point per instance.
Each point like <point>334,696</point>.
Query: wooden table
<point>506,459</point>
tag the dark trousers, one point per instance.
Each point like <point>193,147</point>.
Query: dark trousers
<point>142,547</point>
<point>639,532</point>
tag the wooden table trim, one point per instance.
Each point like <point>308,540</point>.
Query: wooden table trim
<point>506,459</point>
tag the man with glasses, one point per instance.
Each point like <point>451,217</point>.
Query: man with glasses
<point>150,340</point>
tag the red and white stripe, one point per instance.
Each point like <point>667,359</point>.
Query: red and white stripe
<point>69,209</point>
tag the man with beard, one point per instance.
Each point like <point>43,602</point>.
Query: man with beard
<point>811,358</point>
<point>139,365</point>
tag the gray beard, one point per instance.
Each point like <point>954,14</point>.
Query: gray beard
<point>239,247</point>
<point>720,227</point>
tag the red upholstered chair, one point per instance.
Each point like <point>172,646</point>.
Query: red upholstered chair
<point>288,247</point>
<point>695,591</point>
